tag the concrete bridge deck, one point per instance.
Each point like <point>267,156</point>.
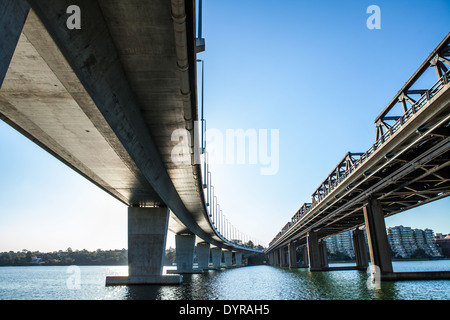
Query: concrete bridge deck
<point>106,98</point>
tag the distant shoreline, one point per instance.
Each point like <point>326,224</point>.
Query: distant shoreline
<point>118,265</point>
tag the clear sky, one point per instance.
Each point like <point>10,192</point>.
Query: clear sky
<point>310,69</point>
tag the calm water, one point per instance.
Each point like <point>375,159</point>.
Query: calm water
<point>248,283</point>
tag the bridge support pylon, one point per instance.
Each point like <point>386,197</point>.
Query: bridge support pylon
<point>203,252</point>
<point>380,254</point>
<point>238,259</point>
<point>271,256</point>
<point>216,255</point>
<point>359,245</point>
<point>184,255</point>
<point>147,233</point>
<point>317,252</point>
<point>228,258</point>
<point>292,255</point>
<point>281,256</point>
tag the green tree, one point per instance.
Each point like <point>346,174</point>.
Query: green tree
<point>6,259</point>
<point>28,257</point>
<point>249,244</point>
<point>170,257</point>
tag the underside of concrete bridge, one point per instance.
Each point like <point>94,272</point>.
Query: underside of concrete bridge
<point>106,98</point>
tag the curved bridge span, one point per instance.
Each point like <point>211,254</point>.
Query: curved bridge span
<point>105,98</point>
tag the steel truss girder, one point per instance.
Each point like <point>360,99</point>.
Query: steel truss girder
<point>437,59</point>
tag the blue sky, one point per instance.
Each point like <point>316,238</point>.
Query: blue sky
<point>311,70</point>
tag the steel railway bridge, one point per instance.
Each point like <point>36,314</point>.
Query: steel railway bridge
<point>407,166</point>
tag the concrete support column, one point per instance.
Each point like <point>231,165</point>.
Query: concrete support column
<point>238,258</point>
<point>147,232</point>
<point>227,257</point>
<point>13,14</point>
<point>216,254</point>
<point>323,254</point>
<point>203,249</point>
<point>305,255</point>
<point>380,254</point>
<point>185,246</point>
<point>278,259</point>
<point>282,257</point>
<point>317,255</point>
<point>359,245</point>
<point>313,251</point>
<point>292,255</point>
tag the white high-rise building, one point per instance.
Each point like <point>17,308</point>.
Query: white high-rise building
<point>342,242</point>
<point>404,241</point>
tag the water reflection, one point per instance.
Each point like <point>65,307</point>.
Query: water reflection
<point>248,283</point>
<point>267,283</point>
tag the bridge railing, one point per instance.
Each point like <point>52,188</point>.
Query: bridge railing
<point>228,233</point>
<point>341,173</point>
<point>223,228</point>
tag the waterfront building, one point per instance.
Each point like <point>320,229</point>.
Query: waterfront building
<point>443,242</point>
<point>342,242</point>
<point>403,241</point>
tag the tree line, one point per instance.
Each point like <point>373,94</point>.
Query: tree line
<point>82,257</point>
<point>72,257</point>
<point>68,257</point>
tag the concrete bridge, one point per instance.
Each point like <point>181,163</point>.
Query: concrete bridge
<point>406,167</point>
<point>102,85</point>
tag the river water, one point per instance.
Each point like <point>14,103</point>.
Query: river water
<point>246,283</point>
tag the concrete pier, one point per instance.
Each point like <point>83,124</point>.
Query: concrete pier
<point>282,257</point>
<point>380,255</point>
<point>359,245</point>
<point>317,255</point>
<point>227,257</point>
<point>147,232</point>
<point>203,252</point>
<point>292,255</point>
<point>185,247</point>
<point>216,254</point>
<point>273,258</point>
<point>238,258</point>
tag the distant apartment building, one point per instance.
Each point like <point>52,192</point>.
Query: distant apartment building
<point>443,242</point>
<point>342,242</point>
<point>403,241</point>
